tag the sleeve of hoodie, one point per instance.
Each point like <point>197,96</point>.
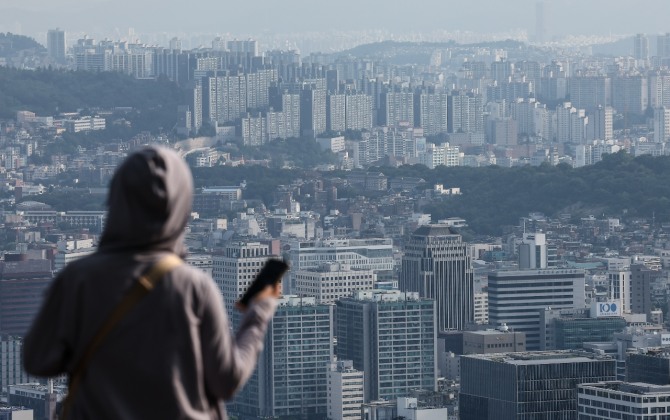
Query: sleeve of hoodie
<point>229,360</point>
<point>45,347</point>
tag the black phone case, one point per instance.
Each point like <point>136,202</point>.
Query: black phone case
<point>271,273</point>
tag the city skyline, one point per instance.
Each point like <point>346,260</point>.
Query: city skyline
<point>569,17</point>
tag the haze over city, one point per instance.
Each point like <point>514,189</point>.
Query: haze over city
<point>472,199</point>
<point>263,17</point>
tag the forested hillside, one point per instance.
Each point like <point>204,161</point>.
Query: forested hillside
<point>48,92</point>
<point>494,196</point>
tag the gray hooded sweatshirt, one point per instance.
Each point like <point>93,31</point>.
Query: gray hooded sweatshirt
<point>173,356</point>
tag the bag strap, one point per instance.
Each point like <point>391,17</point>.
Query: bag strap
<point>141,288</point>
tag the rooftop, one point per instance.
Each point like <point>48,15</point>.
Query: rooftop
<point>631,387</point>
<point>541,357</point>
<point>435,230</point>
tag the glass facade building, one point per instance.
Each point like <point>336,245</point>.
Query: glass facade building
<point>652,367</point>
<point>569,329</point>
<point>572,333</point>
<point>528,386</point>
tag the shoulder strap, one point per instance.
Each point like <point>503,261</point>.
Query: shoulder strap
<point>141,288</point>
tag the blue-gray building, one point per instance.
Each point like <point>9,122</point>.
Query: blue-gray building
<point>392,337</point>
<point>528,385</point>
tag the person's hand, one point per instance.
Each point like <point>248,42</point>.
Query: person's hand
<point>270,291</point>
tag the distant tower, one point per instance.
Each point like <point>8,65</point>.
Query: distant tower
<point>56,44</point>
<point>540,21</point>
<point>175,44</point>
<point>641,47</point>
<point>663,46</point>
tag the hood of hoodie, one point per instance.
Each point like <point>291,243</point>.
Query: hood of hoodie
<point>149,202</point>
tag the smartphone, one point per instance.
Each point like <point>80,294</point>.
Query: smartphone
<point>271,273</point>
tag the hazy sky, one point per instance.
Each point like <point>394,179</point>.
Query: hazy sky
<point>285,16</point>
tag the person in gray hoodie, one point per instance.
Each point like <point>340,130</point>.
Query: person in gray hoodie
<point>173,355</point>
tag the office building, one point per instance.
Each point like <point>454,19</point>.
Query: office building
<point>332,281</point>
<point>345,391</point>
<point>649,365</point>
<point>43,400</point>
<point>235,268</point>
<point>516,298</point>
<point>530,385</point>
<point>374,254</point>
<point>292,374</point>
<point>622,400</point>
<point>22,288</point>
<point>391,337</point>
<point>619,286</point>
<point>641,281</point>
<point>569,329</point>
<point>11,366</point>
<point>533,251</point>
<point>56,45</point>
<point>501,340</point>
<point>437,265</point>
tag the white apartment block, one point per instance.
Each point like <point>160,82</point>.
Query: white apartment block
<point>84,124</point>
<point>345,391</point>
<point>332,281</point>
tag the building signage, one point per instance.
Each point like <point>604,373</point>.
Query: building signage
<point>605,309</point>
